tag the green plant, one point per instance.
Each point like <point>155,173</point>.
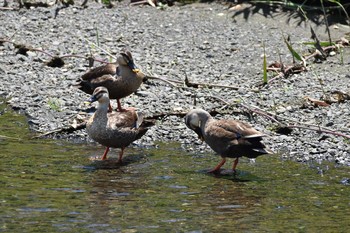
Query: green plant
<point>293,52</point>
<point>97,35</point>
<point>264,67</point>
<point>337,2</point>
<point>107,2</point>
<point>341,52</point>
<point>55,104</point>
<point>161,6</point>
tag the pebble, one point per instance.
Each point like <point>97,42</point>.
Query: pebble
<point>177,47</point>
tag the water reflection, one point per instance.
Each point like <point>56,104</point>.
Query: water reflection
<point>50,186</point>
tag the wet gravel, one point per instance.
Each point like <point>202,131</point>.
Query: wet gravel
<point>202,41</point>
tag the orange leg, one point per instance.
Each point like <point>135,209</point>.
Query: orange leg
<point>235,165</point>
<point>121,155</point>
<point>104,156</point>
<point>217,168</point>
<point>110,108</point>
<point>120,109</point>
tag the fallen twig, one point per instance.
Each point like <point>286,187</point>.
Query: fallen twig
<point>140,2</point>
<point>8,8</point>
<point>285,72</point>
<point>171,83</point>
<point>69,129</point>
<point>206,85</point>
<point>300,124</point>
<point>276,118</point>
<point>320,130</point>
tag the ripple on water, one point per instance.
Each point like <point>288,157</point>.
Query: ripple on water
<point>45,186</point>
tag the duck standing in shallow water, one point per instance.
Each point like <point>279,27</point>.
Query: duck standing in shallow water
<point>113,129</point>
<point>121,78</point>
<point>228,138</point>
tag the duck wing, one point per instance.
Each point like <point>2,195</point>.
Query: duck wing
<point>125,119</point>
<point>130,121</point>
<point>104,80</point>
<point>94,73</point>
<point>98,76</point>
<point>231,138</point>
<point>232,130</point>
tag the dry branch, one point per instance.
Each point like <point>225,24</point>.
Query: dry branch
<point>170,82</point>
<point>277,119</point>
<point>206,85</point>
<point>66,129</point>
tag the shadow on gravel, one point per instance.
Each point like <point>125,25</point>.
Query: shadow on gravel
<point>311,13</point>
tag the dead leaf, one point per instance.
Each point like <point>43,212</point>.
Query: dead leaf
<point>276,64</point>
<point>235,8</point>
<point>340,96</point>
<point>317,102</point>
<point>74,124</point>
<point>343,41</point>
<point>151,2</point>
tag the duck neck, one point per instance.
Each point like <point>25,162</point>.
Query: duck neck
<point>102,108</point>
<point>202,127</point>
<point>125,71</point>
<point>204,120</point>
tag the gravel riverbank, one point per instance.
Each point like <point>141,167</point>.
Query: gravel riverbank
<point>202,41</point>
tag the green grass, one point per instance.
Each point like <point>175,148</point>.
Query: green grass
<point>55,104</point>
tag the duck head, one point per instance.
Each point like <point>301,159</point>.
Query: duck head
<point>101,95</point>
<point>196,120</point>
<point>126,59</point>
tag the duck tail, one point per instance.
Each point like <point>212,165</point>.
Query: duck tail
<point>141,132</point>
<point>258,135</point>
<point>144,127</point>
<point>139,120</point>
<point>264,150</point>
<point>83,86</point>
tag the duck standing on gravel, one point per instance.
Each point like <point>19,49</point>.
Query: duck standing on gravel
<point>121,78</point>
<point>229,138</point>
<point>114,129</point>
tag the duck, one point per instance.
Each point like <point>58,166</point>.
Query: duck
<point>121,78</point>
<point>227,137</point>
<point>114,129</point>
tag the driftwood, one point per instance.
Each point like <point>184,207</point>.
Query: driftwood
<point>286,121</point>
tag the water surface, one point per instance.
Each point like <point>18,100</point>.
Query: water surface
<point>52,186</point>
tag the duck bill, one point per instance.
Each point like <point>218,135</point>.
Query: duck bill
<point>199,133</point>
<point>91,100</point>
<point>133,67</point>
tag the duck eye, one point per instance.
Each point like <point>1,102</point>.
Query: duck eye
<point>126,58</point>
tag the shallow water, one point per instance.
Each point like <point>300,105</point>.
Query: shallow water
<point>52,186</point>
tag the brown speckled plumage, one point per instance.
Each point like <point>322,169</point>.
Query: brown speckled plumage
<point>121,78</point>
<point>229,138</point>
<point>113,129</point>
